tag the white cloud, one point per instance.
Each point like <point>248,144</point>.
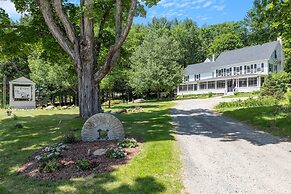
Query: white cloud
<point>10,9</point>
<point>187,8</point>
<point>218,7</point>
<point>207,4</point>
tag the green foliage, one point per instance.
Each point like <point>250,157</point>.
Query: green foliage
<point>70,137</point>
<point>83,165</point>
<point>51,152</point>
<point>115,153</point>
<point>288,97</point>
<point>188,35</point>
<point>128,143</point>
<point>50,166</point>
<point>14,117</point>
<point>52,78</point>
<point>276,85</point>
<point>18,126</point>
<point>225,42</point>
<point>269,19</point>
<point>251,102</point>
<point>155,65</point>
<point>243,94</point>
<point>220,32</point>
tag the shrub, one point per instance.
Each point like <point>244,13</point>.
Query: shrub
<point>128,143</point>
<point>115,153</point>
<point>83,165</point>
<point>251,102</point>
<point>276,85</point>
<point>70,137</point>
<point>14,117</point>
<point>19,125</point>
<point>288,97</point>
<point>51,166</point>
<point>51,152</point>
<point>210,94</point>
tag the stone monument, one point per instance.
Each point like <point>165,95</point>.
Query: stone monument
<point>102,126</point>
<point>22,94</point>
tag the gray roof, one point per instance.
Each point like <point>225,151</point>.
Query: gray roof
<point>247,54</point>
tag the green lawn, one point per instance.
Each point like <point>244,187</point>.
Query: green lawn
<point>155,170</point>
<point>242,94</point>
<point>275,119</point>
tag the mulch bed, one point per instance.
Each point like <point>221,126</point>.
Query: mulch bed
<point>75,152</point>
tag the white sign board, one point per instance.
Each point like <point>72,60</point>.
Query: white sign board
<point>22,92</point>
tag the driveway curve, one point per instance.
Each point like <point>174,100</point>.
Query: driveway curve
<point>221,155</point>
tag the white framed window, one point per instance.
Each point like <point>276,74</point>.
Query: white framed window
<point>220,84</point>
<point>211,85</point>
<point>183,88</point>
<point>242,82</point>
<point>253,81</point>
<point>203,85</point>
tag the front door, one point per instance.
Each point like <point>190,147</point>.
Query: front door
<point>231,84</point>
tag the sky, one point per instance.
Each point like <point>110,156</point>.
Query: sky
<point>201,11</point>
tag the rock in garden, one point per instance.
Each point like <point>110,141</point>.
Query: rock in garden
<point>139,100</point>
<point>49,107</point>
<point>121,111</point>
<point>99,152</point>
<point>102,126</point>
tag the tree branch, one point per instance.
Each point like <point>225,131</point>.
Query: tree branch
<point>101,32</point>
<point>111,56</point>
<point>118,24</point>
<point>69,28</point>
<point>47,13</point>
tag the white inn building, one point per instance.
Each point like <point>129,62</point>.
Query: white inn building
<point>240,70</point>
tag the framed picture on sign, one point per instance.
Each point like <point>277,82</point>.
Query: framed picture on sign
<point>22,92</point>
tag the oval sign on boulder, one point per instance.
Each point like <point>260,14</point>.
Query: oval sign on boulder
<point>102,126</point>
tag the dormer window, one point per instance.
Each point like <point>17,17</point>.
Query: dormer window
<point>186,78</point>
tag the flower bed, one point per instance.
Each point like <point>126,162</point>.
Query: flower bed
<point>65,161</point>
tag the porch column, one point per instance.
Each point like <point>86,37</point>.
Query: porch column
<point>259,81</point>
<point>33,92</point>
<point>10,92</point>
<point>225,88</point>
<point>247,82</point>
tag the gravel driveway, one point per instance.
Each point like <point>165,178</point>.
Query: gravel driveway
<point>221,155</point>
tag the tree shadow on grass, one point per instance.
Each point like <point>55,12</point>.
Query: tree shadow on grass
<point>207,123</point>
<point>98,184</point>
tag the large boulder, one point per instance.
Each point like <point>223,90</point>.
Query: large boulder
<point>102,126</point>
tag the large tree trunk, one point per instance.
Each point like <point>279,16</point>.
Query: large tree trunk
<point>88,90</point>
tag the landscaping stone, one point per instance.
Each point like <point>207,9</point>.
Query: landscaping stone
<point>49,107</point>
<point>121,111</point>
<point>102,126</point>
<point>99,152</point>
<point>139,100</point>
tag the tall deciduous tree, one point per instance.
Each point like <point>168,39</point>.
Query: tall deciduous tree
<point>225,42</point>
<point>155,64</point>
<point>271,18</point>
<point>83,44</point>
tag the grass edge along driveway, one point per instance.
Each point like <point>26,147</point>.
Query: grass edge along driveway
<point>270,116</point>
<point>155,170</point>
